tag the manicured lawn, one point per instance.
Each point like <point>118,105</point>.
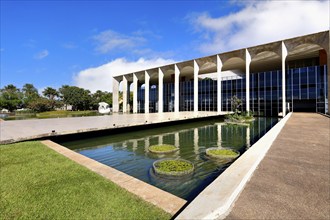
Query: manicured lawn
<point>62,113</point>
<point>38,183</point>
<point>51,114</point>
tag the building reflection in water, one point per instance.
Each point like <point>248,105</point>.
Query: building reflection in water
<point>129,152</point>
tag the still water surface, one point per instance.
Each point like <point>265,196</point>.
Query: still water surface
<point>128,152</point>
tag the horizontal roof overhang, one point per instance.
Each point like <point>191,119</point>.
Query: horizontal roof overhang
<point>267,54</point>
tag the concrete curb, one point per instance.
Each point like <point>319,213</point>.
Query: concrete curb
<point>217,199</point>
<point>53,127</point>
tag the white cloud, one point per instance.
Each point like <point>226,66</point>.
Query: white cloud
<point>110,40</point>
<point>100,78</point>
<point>261,22</point>
<point>41,55</point>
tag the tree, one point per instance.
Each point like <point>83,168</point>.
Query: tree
<point>41,104</point>
<point>64,94</point>
<point>30,93</point>
<point>10,97</point>
<point>51,94</point>
<point>79,98</point>
<point>235,103</point>
<point>100,96</point>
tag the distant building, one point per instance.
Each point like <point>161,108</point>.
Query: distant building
<point>270,79</point>
<point>4,110</point>
<point>65,107</point>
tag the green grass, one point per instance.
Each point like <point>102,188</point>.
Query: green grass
<point>162,148</point>
<point>63,113</point>
<point>38,183</point>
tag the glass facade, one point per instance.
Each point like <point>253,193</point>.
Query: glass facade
<point>168,94</point>
<point>232,86</point>
<point>186,93</point>
<point>306,90</point>
<point>207,95</point>
<point>266,93</point>
<point>140,98</point>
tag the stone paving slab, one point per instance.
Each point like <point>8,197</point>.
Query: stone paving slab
<point>293,180</point>
<point>21,130</point>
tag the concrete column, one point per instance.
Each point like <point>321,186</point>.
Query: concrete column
<point>135,89</point>
<point>176,88</point>
<point>160,139</point>
<point>196,139</point>
<point>146,90</point>
<point>219,67</point>
<point>196,70</point>
<point>160,90</point>
<point>247,137</point>
<point>135,145</point>
<point>115,95</point>
<point>284,55</point>
<point>247,82</point>
<point>125,94</point>
<point>177,139</point>
<point>146,144</point>
<point>219,135</point>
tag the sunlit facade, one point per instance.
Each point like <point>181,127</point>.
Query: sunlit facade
<point>260,76</point>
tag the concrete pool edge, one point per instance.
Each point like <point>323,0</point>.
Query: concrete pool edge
<point>215,202</point>
<point>163,200</point>
<point>36,129</point>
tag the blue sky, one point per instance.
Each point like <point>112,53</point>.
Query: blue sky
<point>83,43</point>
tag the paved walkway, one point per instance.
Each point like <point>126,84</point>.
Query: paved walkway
<point>20,130</point>
<point>293,180</point>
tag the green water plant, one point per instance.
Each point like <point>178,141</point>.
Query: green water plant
<point>221,153</point>
<point>173,167</point>
<point>163,148</point>
<point>236,118</point>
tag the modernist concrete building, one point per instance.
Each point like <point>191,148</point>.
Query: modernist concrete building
<point>270,79</point>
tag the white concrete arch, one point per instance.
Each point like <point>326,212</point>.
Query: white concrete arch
<point>265,61</point>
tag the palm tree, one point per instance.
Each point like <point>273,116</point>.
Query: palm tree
<point>50,93</point>
<point>30,93</point>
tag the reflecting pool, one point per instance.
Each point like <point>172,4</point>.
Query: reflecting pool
<point>128,152</point>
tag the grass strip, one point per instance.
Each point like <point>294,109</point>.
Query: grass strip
<point>38,183</point>
<point>63,113</point>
